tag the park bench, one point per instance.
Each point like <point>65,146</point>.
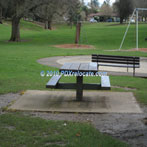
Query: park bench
<point>117,61</point>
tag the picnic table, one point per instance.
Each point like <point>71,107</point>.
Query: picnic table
<point>79,70</point>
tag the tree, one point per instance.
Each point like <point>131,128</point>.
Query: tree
<point>2,6</point>
<point>1,15</point>
<point>124,8</point>
<point>107,2</point>
<point>83,16</point>
<point>106,9</point>
<point>47,12</point>
<point>141,4</point>
<point>94,5</point>
<point>18,9</point>
<point>73,11</point>
<point>17,15</point>
<point>82,2</point>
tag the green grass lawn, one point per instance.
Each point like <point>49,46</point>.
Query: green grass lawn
<point>18,130</point>
<point>20,71</point>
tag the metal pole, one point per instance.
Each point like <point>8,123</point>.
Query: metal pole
<point>78,31</point>
<point>142,9</point>
<point>136,29</point>
<point>127,30</point>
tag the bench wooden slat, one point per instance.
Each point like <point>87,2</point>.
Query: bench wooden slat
<point>120,59</point>
<point>120,65</point>
<point>53,82</point>
<point>128,57</point>
<point>105,82</point>
<point>115,61</point>
<point>95,55</point>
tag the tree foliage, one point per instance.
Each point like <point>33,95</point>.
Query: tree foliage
<point>106,9</point>
<point>44,10</point>
<point>94,4</point>
<point>3,5</point>
<point>16,10</point>
<point>47,12</point>
<point>73,11</point>
<point>124,8</point>
<point>141,4</point>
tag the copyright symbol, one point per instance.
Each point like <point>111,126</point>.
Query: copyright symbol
<point>42,74</point>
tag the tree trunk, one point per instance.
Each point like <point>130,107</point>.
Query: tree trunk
<point>121,20</point>
<point>71,24</point>
<point>142,18</point>
<point>1,22</point>
<point>15,35</point>
<point>49,25</point>
<point>46,24</point>
<point>78,31</point>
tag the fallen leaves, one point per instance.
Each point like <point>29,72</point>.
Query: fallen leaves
<point>78,134</point>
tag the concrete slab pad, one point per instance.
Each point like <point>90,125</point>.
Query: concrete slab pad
<point>64,101</point>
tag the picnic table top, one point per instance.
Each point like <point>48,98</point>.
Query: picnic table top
<point>81,67</point>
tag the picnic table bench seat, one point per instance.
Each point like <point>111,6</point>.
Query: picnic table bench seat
<point>52,83</point>
<point>105,83</point>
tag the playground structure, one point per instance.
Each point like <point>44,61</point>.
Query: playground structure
<point>136,11</point>
<point>78,40</point>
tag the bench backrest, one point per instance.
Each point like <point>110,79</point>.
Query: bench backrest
<point>116,59</point>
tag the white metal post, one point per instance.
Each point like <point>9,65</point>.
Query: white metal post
<point>137,34</point>
<point>127,30</point>
<point>136,29</point>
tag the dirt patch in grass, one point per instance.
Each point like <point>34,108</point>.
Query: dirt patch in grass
<point>125,88</point>
<point>134,49</point>
<point>75,46</point>
<point>140,49</point>
<point>130,50</point>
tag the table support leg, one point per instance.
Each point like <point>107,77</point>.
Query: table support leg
<point>79,92</point>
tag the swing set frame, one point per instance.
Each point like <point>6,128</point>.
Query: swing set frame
<point>136,11</point>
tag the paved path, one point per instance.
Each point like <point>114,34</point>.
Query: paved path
<point>60,60</point>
